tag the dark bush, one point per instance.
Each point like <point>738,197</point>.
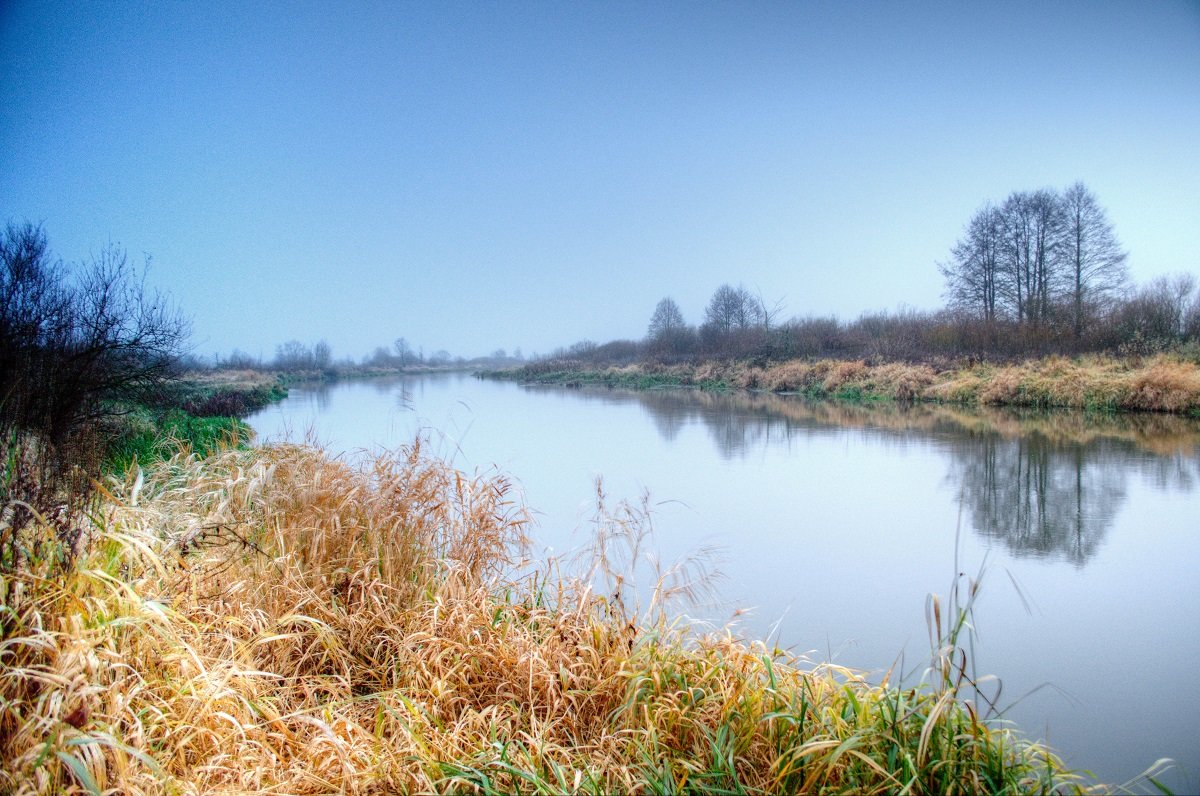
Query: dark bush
<point>78,346</point>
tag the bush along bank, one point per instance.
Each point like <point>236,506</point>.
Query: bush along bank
<point>1157,384</point>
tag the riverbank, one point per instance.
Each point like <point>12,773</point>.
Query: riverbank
<point>226,393</point>
<point>1155,384</point>
<point>236,392</point>
<point>274,620</point>
<point>200,411</point>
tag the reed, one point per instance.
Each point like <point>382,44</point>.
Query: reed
<point>272,620</point>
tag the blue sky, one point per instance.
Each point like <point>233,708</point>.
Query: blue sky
<point>481,175</point>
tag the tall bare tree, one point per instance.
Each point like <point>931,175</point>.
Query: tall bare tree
<point>1016,251</point>
<point>1094,261</point>
<point>1031,243</point>
<point>973,275</point>
<point>403,351</point>
<point>668,334</point>
<point>1038,257</point>
<point>1045,267</point>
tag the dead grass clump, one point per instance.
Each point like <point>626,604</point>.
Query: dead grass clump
<point>1162,385</point>
<point>1165,385</point>
<point>841,374</point>
<point>792,376</point>
<point>276,621</point>
<point>712,373</point>
<point>900,380</point>
<point>1006,386</point>
<point>961,386</point>
<point>747,377</point>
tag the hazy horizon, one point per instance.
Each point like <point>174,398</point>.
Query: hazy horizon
<point>526,175</point>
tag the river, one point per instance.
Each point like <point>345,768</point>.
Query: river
<point>830,523</point>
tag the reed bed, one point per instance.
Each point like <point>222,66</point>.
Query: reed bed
<point>274,621</point>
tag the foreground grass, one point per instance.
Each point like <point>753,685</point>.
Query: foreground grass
<point>271,620</point>
<point>1157,384</point>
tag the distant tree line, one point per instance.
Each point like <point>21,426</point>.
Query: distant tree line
<point>1040,273</point>
<point>296,357</point>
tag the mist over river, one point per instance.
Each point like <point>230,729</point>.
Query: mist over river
<point>832,522</point>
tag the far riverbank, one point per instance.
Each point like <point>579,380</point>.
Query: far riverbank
<point>1152,384</point>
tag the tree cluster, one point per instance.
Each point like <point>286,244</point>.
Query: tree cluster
<point>294,356</point>
<point>736,321</point>
<point>1040,258</point>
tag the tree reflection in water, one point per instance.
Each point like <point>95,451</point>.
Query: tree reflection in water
<point>1037,498</point>
<point>1045,484</point>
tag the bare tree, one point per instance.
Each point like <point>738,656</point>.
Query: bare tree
<point>1191,319</point>
<point>666,321</point>
<point>769,314</point>
<point>1032,238</point>
<point>322,355</point>
<point>1045,266</point>
<point>1015,254</point>
<point>81,340</point>
<point>1157,314</point>
<point>403,351</point>
<point>973,275</point>
<point>293,355</point>
<point>1094,262</point>
<point>733,308</point>
<point>668,334</point>
<point>76,347</point>
<point>1037,257</point>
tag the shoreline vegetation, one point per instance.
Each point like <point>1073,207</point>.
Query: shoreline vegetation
<point>202,408</point>
<point>1159,383</point>
<point>275,620</point>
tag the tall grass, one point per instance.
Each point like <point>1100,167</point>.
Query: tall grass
<point>274,621</point>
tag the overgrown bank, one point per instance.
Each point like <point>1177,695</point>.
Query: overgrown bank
<point>197,411</point>
<point>1156,384</point>
<point>271,620</point>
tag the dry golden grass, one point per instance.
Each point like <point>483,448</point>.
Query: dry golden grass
<point>1159,384</point>
<point>227,377</point>
<point>1167,385</point>
<point>272,621</point>
<point>841,374</point>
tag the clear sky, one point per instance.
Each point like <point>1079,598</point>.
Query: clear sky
<point>480,175</point>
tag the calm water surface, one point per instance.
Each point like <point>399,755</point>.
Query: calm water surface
<point>833,522</point>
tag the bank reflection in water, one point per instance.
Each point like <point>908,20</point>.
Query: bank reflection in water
<point>1045,484</point>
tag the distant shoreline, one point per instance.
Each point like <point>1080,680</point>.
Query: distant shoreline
<point>1159,383</point>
